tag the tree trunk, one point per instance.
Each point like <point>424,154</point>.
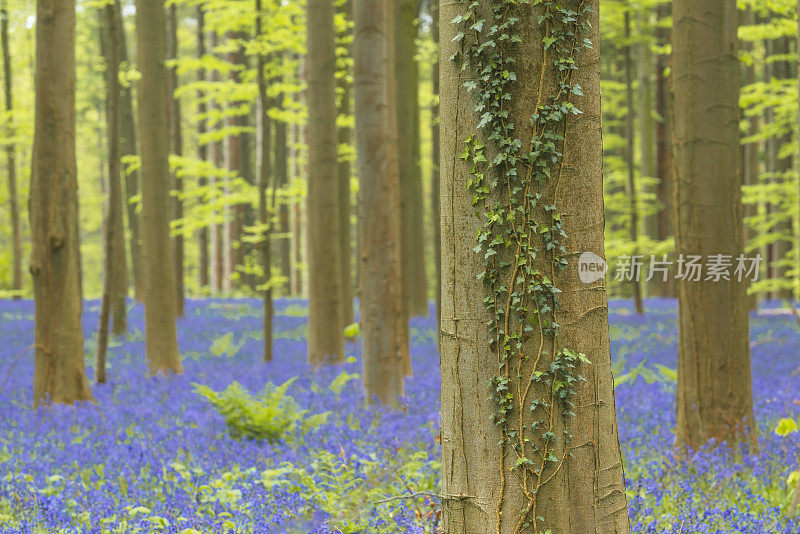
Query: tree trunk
<point>202,148</point>
<point>114,267</point>
<point>714,399</point>
<point>750,151</point>
<point>783,171</point>
<point>633,209</point>
<point>11,160</point>
<point>644,111</point>
<point>435,178</point>
<point>664,189</point>
<point>407,79</point>
<point>383,325</point>
<point>264,172</point>
<point>159,287</point>
<point>343,179</point>
<point>281,156</point>
<point>216,156</point>
<point>176,146</point>
<point>325,341</point>
<point>508,459</point>
<point>232,254</point>
<point>128,148</point>
<point>59,375</point>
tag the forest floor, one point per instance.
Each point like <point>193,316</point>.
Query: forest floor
<point>154,456</point>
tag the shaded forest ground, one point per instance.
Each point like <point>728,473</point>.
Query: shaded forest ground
<point>154,456</point>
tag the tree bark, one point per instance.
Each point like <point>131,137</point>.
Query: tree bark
<point>264,172</point>
<point>633,208</point>
<point>59,375</point>
<point>383,325</point>
<point>11,159</point>
<point>114,267</point>
<point>232,254</point>
<point>281,157</point>
<point>202,148</point>
<point>128,147</point>
<point>159,286</point>
<point>407,80</point>
<point>176,147</point>
<point>343,179</point>
<point>482,493</point>
<point>216,156</point>
<point>783,169</point>
<point>436,176</point>
<point>750,151</point>
<point>664,189</point>
<point>714,397</point>
<point>325,333</point>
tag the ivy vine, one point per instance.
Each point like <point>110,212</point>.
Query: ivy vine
<point>511,182</point>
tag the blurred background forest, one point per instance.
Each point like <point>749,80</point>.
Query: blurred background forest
<point>214,60</point>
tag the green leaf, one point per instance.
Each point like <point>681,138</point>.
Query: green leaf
<point>786,426</point>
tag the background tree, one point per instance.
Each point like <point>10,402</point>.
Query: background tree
<point>55,260</point>
<point>264,173</point>
<point>383,324</point>
<point>407,79</point>
<point>176,148</point>
<point>714,399</point>
<point>11,161</point>
<point>325,341</point>
<point>115,287</point>
<point>159,289</point>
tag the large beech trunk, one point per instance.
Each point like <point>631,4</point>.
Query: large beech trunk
<point>481,477</point>
<point>159,284</point>
<point>325,331</point>
<point>714,399</point>
<point>383,323</point>
<point>59,375</point>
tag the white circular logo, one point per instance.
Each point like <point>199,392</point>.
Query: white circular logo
<point>591,267</point>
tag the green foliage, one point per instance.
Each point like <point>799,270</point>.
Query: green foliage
<point>786,426</point>
<point>341,380</point>
<point>352,331</point>
<point>349,492</point>
<point>271,416</point>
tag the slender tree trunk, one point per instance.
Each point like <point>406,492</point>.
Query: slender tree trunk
<point>11,159</point>
<point>629,156</point>
<point>383,325</point>
<point>644,98</point>
<point>343,179</point>
<point>159,287</point>
<point>796,498</point>
<point>714,399</point>
<point>216,156</point>
<point>489,453</point>
<point>59,375</point>
<point>114,267</point>
<point>783,170</point>
<point>770,165</point>
<point>233,162</point>
<point>264,172</point>
<point>664,189</point>
<point>750,151</point>
<point>407,79</point>
<point>435,178</point>
<point>176,146</point>
<point>128,147</point>
<point>325,341</point>
<point>281,157</point>
<point>202,148</point>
